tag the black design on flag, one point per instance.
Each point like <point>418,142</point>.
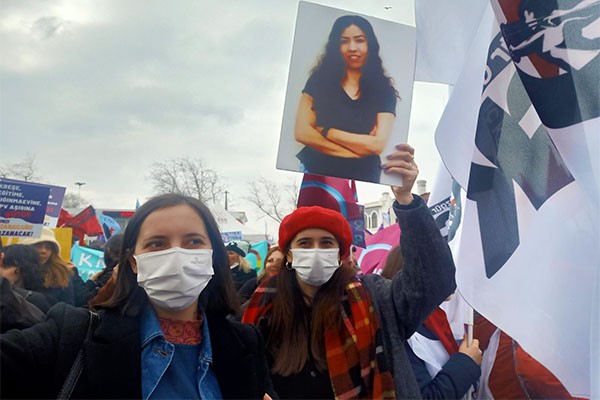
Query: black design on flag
<point>556,47</point>
<point>511,138</point>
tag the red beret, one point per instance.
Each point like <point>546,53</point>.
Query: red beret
<point>316,217</point>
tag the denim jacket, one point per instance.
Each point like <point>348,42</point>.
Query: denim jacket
<point>157,354</point>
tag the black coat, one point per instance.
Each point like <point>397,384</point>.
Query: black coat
<point>36,361</point>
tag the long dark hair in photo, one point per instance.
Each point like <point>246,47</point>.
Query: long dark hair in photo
<point>331,67</point>
<point>219,296</point>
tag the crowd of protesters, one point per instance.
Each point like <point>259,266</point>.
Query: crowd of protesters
<point>176,313</point>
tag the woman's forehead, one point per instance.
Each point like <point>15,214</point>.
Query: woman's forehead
<point>313,233</point>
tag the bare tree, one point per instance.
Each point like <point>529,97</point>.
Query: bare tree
<point>73,200</point>
<point>25,170</point>
<point>187,176</point>
<point>267,196</point>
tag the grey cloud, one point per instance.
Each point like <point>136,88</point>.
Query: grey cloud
<point>46,27</point>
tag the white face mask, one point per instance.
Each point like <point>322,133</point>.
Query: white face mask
<point>174,278</point>
<point>315,266</point>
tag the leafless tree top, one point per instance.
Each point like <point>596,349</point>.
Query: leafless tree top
<point>187,176</point>
<point>24,170</point>
<point>272,199</point>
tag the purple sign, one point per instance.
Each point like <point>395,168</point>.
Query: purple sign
<point>57,195</point>
<point>22,208</point>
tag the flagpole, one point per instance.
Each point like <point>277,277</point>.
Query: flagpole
<point>469,323</point>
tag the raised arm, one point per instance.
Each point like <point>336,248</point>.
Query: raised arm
<point>427,275</point>
<point>365,145</point>
<point>307,133</point>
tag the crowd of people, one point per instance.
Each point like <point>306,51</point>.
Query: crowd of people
<point>162,320</point>
<point>177,313</point>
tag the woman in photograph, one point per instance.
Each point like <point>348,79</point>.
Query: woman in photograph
<point>348,105</point>
<point>333,334</point>
<point>162,334</point>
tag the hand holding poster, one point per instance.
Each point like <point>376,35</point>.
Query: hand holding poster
<point>348,97</point>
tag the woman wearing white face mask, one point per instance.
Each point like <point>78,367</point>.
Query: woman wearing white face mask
<point>330,333</point>
<point>162,334</point>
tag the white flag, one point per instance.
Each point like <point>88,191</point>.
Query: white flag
<point>528,253</point>
<point>445,30</point>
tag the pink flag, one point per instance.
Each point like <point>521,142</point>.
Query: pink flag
<point>372,258</point>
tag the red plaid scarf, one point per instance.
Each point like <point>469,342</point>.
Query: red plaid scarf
<point>355,360</point>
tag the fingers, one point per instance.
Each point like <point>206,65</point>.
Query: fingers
<point>402,160</point>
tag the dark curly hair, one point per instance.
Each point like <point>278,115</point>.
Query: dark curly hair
<point>331,67</point>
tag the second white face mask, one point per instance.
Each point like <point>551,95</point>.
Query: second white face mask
<point>315,266</point>
<point>174,278</point>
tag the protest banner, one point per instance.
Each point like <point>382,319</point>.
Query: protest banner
<point>336,194</point>
<point>55,199</point>
<point>64,237</point>
<point>88,261</point>
<point>371,259</point>
<point>22,208</point>
<point>257,253</point>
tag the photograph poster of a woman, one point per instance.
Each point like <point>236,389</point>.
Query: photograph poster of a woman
<point>348,95</point>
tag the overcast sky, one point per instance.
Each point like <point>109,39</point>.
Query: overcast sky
<point>98,90</point>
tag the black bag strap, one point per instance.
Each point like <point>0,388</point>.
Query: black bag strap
<point>77,367</point>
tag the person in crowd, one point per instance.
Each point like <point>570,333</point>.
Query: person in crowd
<point>444,370</point>
<point>241,270</point>
<point>107,278</point>
<point>111,257</point>
<point>57,274</point>
<point>331,333</point>
<point>348,105</point>
<point>61,279</point>
<point>15,311</point>
<point>21,266</point>
<point>162,334</point>
<point>272,266</point>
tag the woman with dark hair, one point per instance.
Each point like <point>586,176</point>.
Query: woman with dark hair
<point>107,278</point>
<point>162,334</point>
<point>348,105</point>
<point>59,276</point>
<point>21,266</point>
<point>22,261</point>
<point>333,334</point>
<point>111,258</point>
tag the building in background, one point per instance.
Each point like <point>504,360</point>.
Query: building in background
<point>379,213</point>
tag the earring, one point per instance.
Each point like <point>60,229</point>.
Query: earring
<point>288,266</point>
